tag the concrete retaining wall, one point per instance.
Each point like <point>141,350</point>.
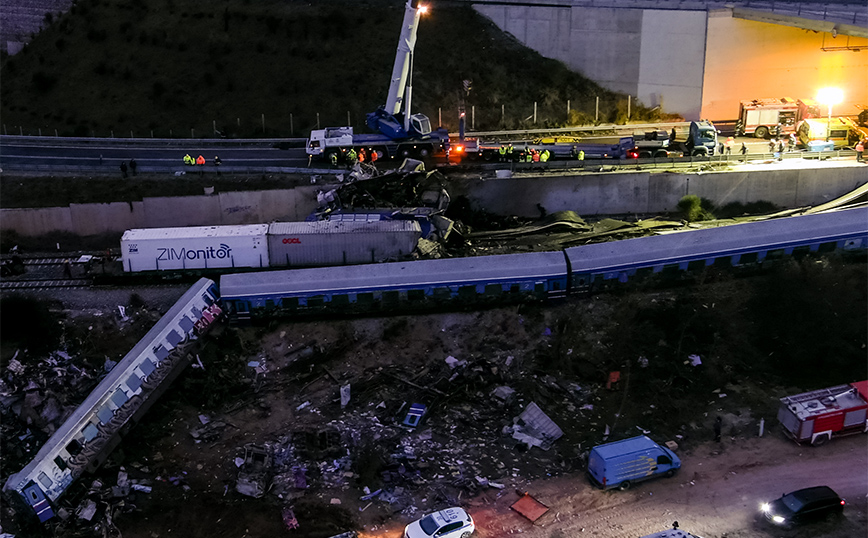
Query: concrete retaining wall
<point>643,192</point>
<point>616,193</point>
<point>224,208</point>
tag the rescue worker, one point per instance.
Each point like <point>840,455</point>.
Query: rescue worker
<point>333,159</point>
<point>502,153</point>
<point>133,166</point>
<point>574,152</point>
<point>792,142</point>
<point>200,160</point>
<point>362,155</point>
<point>743,152</point>
<point>509,152</point>
<point>351,158</point>
<point>124,169</point>
<point>374,156</point>
<point>581,155</point>
<point>544,156</point>
<point>729,142</point>
<point>860,148</point>
<point>535,155</point>
<point>217,161</point>
<point>529,155</point>
<point>189,160</point>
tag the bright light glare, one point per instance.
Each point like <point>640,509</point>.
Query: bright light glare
<point>423,9</point>
<point>765,507</point>
<point>778,519</point>
<point>830,96</point>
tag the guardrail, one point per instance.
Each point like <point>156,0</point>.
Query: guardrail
<point>318,170</point>
<point>152,142</point>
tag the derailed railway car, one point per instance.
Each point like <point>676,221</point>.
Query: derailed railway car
<point>391,287</point>
<point>591,268</point>
<point>743,246</point>
<point>85,439</point>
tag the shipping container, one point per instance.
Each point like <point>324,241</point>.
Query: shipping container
<point>817,416</point>
<point>325,242</point>
<point>195,247</point>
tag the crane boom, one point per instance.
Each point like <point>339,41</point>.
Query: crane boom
<point>403,58</point>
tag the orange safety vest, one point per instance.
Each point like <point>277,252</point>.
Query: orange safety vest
<point>200,160</point>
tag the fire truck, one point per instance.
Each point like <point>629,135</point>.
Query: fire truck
<point>817,416</point>
<point>761,117</point>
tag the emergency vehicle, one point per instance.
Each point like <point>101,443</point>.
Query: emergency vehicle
<point>817,416</point>
<point>761,117</point>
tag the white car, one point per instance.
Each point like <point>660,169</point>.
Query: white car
<point>448,523</point>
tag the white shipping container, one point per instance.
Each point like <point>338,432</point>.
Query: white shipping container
<point>320,243</point>
<point>195,247</point>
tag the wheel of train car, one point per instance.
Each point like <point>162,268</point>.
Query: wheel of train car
<point>820,440</point>
<point>660,154</point>
<point>625,485</point>
<point>405,152</point>
<point>424,152</point>
<point>761,132</point>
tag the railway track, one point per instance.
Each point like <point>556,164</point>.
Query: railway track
<point>45,284</point>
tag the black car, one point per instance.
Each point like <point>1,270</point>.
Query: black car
<point>804,505</point>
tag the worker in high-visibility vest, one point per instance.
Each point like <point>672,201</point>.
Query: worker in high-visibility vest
<point>581,155</point>
<point>544,156</point>
<point>188,160</point>
<point>509,152</point>
<point>502,152</point>
<point>333,158</point>
<point>200,160</point>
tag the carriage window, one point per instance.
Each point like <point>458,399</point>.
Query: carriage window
<point>186,324</point>
<point>775,254</point>
<point>696,265</point>
<point>61,464</point>
<point>669,269</point>
<point>415,295</point>
<point>74,447</point>
<point>442,293</point>
<point>289,302</point>
<point>134,382</point>
<point>365,298</point>
<point>750,257</point>
<point>315,302</point>
<point>147,367</point>
<point>391,297</point>
<point>801,252</point>
<point>515,288</point>
<point>269,304</point>
<point>208,299</point>
<point>723,261</point>
<point>493,289</point>
<point>174,338</point>
<point>340,300</point>
<point>827,247</point>
<point>44,480</point>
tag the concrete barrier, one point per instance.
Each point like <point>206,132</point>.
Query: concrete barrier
<point>614,193</point>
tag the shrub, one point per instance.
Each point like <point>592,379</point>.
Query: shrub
<point>694,209</point>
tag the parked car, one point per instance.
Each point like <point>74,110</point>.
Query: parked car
<point>804,505</point>
<point>448,523</point>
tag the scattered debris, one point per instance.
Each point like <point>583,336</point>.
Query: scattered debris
<point>254,475</point>
<point>534,428</point>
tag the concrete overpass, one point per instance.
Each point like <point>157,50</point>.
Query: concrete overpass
<point>700,58</point>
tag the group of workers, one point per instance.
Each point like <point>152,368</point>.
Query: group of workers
<point>508,153</point>
<point>200,160</point>
<point>352,157</point>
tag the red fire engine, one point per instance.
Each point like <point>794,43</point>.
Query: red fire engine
<point>819,415</point>
<point>761,117</point>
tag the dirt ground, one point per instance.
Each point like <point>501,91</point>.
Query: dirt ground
<point>557,356</point>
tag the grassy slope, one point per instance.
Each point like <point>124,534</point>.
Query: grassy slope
<point>126,65</point>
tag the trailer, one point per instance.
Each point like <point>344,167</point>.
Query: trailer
<point>817,416</point>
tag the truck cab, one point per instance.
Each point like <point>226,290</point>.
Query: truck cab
<point>702,140</point>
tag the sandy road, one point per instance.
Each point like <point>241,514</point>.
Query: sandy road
<point>716,494</point>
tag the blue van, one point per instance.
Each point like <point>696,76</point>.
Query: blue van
<point>623,463</point>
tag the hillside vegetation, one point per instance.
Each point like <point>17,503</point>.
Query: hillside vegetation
<point>169,66</point>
